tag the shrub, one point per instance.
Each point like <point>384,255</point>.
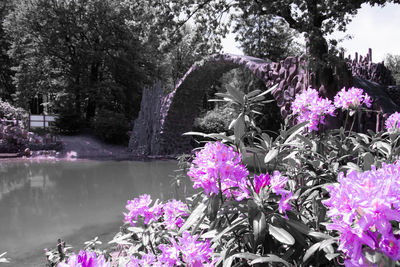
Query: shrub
<point>69,122</point>
<point>9,112</point>
<point>304,211</point>
<point>216,120</point>
<point>111,126</point>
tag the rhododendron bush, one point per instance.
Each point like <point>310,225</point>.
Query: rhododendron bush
<point>12,127</point>
<point>306,196</point>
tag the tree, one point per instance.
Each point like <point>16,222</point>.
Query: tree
<point>392,62</point>
<point>80,49</point>
<point>265,37</point>
<point>313,18</point>
<point>6,86</point>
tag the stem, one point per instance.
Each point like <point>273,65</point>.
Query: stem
<point>352,124</point>
<point>345,121</point>
<point>220,190</point>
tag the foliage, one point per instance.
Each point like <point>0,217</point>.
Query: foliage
<point>264,36</point>
<point>111,126</point>
<point>73,48</point>
<point>69,121</point>
<point>392,62</point>
<point>3,259</point>
<point>315,198</point>
<point>10,112</point>
<point>6,86</point>
<point>216,120</point>
<point>14,135</point>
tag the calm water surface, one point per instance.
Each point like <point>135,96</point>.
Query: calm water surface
<point>40,202</point>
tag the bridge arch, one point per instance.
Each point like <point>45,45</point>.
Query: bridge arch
<point>178,110</point>
<point>163,119</point>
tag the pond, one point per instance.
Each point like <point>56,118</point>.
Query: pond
<point>76,201</point>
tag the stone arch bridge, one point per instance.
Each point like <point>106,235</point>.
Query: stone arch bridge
<point>163,119</point>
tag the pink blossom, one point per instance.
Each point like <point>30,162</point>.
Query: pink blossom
<point>275,184</point>
<point>85,259</point>
<point>309,106</point>
<point>362,207</point>
<point>147,260</point>
<point>393,122</point>
<point>174,210</point>
<point>217,163</point>
<point>170,254</point>
<point>195,252</point>
<point>261,181</point>
<point>351,99</point>
<point>141,207</point>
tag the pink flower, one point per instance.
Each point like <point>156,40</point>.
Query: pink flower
<point>393,122</point>
<point>170,254</point>
<point>309,106</point>
<point>195,252</point>
<point>362,207</point>
<point>217,163</point>
<point>261,181</point>
<point>85,259</point>
<point>174,210</point>
<point>141,207</point>
<point>276,184</point>
<point>351,99</point>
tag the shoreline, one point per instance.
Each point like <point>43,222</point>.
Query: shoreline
<point>36,258</point>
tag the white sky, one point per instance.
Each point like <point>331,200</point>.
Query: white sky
<point>373,27</point>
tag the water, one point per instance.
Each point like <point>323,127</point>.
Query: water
<point>41,202</point>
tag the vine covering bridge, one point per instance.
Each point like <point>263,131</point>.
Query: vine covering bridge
<point>163,119</point>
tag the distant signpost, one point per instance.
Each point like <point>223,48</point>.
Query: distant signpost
<point>41,121</point>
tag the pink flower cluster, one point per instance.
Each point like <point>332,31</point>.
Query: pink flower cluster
<point>171,212</point>
<point>362,207</point>
<point>218,164</point>
<point>351,99</point>
<point>85,259</point>
<point>393,122</point>
<point>274,184</point>
<point>15,134</point>
<point>309,106</point>
<point>187,251</point>
<point>174,210</point>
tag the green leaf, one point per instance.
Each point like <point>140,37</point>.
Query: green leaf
<point>331,256</point>
<point>119,239</point>
<point>352,166</point>
<point>235,94</point>
<point>305,140</point>
<point>244,255</point>
<point>239,127</point>
<point>235,224</point>
<point>3,258</point>
<point>213,207</point>
<point>195,133</point>
<point>271,155</point>
<point>295,130</point>
<point>299,226</point>
<point>281,235</point>
<point>319,235</point>
<point>259,227</point>
<point>194,216</point>
<point>209,234</point>
<point>269,258</point>
<point>253,93</point>
<point>310,251</point>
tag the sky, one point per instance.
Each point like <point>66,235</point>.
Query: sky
<point>373,27</point>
